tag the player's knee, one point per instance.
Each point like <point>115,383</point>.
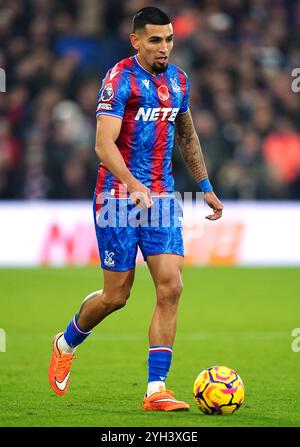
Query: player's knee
<point>117,299</point>
<point>120,301</point>
<point>169,292</point>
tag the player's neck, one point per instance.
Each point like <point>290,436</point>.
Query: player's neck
<point>144,65</point>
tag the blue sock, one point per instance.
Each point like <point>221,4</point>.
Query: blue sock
<point>74,335</point>
<point>159,362</point>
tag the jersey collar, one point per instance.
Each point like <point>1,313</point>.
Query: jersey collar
<point>135,59</point>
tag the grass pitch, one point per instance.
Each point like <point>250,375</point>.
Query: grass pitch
<point>238,317</point>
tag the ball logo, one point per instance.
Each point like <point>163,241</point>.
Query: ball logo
<point>163,92</point>
<point>107,92</point>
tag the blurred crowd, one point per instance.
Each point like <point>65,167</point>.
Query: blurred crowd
<point>239,56</point>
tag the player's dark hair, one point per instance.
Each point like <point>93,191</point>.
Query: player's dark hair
<point>149,16</point>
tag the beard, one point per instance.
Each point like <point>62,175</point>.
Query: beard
<point>158,68</point>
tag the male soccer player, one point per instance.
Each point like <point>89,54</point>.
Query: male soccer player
<point>143,103</point>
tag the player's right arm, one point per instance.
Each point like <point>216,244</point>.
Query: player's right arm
<point>108,130</point>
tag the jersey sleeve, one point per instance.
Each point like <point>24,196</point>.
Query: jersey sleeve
<point>185,85</point>
<point>113,94</point>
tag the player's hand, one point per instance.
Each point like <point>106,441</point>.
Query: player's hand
<point>212,200</point>
<point>140,195</point>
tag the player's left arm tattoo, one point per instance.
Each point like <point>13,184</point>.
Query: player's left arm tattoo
<point>189,144</point>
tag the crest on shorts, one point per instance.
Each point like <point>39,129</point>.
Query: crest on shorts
<point>107,92</point>
<point>109,259</point>
<point>163,92</point>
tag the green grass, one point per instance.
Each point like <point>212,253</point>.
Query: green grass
<point>239,317</point>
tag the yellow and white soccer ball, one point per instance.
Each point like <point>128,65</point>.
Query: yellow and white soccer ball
<point>218,390</point>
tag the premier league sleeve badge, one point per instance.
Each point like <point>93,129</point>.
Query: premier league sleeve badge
<point>107,92</point>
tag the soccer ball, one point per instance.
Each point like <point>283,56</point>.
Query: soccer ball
<point>218,390</point>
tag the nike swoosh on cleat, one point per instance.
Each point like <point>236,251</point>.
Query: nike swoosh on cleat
<point>169,400</point>
<point>62,385</point>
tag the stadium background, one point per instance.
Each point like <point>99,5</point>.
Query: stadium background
<point>239,56</point>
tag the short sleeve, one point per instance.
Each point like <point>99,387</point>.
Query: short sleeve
<point>185,85</point>
<point>113,94</point>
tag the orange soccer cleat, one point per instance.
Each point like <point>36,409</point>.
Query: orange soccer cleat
<point>164,401</point>
<point>59,369</point>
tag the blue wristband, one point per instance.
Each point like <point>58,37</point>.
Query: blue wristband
<point>205,185</point>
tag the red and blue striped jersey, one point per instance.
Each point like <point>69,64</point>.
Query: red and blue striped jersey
<point>148,105</point>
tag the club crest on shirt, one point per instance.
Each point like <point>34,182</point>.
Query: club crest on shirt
<point>163,92</point>
<point>175,86</point>
<point>107,92</point>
